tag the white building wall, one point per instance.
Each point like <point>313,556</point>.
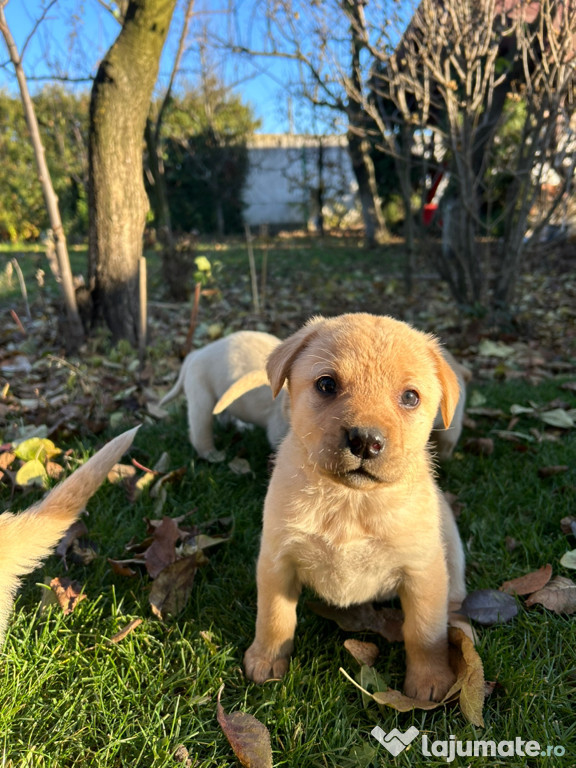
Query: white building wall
<point>283,178</point>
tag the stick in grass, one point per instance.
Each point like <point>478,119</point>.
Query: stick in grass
<point>253,278</point>
<point>23,289</point>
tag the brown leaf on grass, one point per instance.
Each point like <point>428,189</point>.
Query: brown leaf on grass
<point>69,593</point>
<point>125,631</point>
<point>531,582</point>
<point>121,472</point>
<point>467,664</point>
<point>6,459</point>
<point>364,653</point>
<point>75,531</point>
<point>551,471</point>
<point>162,552</point>
<point>248,737</point>
<point>558,596</point>
<point>364,618</point>
<point>172,587</point>
<point>402,703</point>
<point>122,567</point>
<point>181,755</point>
<point>469,687</point>
<point>54,470</point>
<point>83,552</point>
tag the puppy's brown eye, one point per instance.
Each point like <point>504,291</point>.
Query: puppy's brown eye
<point>326,385</point>
<point>410,398</point>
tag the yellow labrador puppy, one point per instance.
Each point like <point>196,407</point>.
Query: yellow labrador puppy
<point>27,538</point>
<point>352,509</point>
<point>208,373</point>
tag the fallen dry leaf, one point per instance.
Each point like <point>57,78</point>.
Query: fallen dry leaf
<point>68,593</point>
<point>364,653</point>
<point>469,687</point>
<point>76,530</point>
<point>489,606</point>
<point>557,469</point>
<point>122,567</point>
<point>558,596</point>
<point>6,459</point>
<point>531,582</point>
<point>162,552</point>
<point>121,472</point>
<point>465,660</point>
<point>181,755</point>
<point>248,737</point>
<point>364,618</point>
<point>172,587</point>
<point>130,627</point>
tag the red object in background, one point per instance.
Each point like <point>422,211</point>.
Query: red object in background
<point>428,213</point>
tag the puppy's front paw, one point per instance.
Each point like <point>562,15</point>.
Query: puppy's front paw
<point>260,666</point>
<point>429,684</point>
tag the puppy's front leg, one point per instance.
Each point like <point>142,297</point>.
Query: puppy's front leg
<point>278,591</point>
<point>424,596</point>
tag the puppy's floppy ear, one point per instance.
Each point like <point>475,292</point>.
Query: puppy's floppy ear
<point>449,383</point>
<point>248,382</point>
<point>281,359</point>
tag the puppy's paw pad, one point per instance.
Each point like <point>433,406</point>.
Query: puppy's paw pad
<point>260,668</point>
<point>429,686</point>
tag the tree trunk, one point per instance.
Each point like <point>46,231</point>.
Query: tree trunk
<point>118,203</point>
<point>363,167</point>
<point>171,267</point>
<point>74,335</point>
<point>358,144</point>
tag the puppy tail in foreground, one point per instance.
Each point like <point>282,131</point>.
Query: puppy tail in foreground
<point>27,538</point>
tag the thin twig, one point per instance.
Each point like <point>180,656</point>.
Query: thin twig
<point>253,277</point>
<point>22,286</point>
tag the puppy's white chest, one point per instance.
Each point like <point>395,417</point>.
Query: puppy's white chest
<point>360,571</point>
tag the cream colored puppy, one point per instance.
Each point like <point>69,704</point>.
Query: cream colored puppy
<point>207,373</point>
<point>27,538</point>
<point>352,509</point>
<point>443,438</point>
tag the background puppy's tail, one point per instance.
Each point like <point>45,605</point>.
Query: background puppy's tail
<point>177,388</point>
<point>27,538</point>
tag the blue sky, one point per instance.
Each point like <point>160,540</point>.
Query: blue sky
<point>75,34</point>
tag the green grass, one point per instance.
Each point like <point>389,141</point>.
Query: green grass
<point>70,698</point>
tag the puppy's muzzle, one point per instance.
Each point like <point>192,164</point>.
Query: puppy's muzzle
<point>364,443</point>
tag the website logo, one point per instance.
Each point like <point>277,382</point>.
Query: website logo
<point>395,741</point>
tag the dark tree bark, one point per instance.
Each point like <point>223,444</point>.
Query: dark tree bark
<point>118,203</point>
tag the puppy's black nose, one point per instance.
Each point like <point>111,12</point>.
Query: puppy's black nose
<point>365,443</point>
